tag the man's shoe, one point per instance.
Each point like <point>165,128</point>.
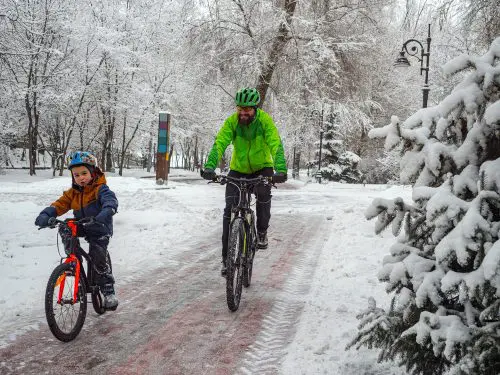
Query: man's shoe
<point>110,300</point>
<point>262,240</point>
<point>223,270</point>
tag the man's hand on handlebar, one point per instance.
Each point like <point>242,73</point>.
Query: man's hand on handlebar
<point>279,177</point>
<point>208,174</point>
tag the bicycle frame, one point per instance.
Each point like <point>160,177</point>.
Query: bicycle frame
<point>243,209</point>
<point>245,187</point>
<point>74,256</point>
<point>66,308</point>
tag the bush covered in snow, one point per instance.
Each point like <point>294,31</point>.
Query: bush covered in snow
<point>444,269</point>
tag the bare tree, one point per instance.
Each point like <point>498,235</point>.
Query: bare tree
<point>34,48</point>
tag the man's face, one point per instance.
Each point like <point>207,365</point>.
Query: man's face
<point>245,115</point>
<point>82,175</point>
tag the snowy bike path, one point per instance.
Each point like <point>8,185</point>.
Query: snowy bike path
<point>176,321</point>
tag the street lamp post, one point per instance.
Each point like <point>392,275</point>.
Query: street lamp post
<point>319,114</point>
<point>412,47</point>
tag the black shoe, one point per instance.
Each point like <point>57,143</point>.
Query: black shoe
<point>262,240</point>
<point>223,270</point>
<point>110,300</point>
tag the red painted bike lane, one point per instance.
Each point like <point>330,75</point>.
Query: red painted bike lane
<point>170,321</point>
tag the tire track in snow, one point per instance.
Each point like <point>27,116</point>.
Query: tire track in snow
<point>265,354</point>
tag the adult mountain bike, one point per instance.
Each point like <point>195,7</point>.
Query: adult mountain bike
<point>68,285</point>
<point>242,241</point>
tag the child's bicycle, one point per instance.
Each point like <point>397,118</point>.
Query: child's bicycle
<point>68,285</point>
<point>242,241</point>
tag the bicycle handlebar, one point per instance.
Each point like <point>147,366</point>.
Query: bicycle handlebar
<point>54,222</point>
<point>221,179</point>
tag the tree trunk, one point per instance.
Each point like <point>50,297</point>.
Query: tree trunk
<point>122,156</point>
<point>278,44</point>
<point>170,157</point>
<point>148,161</point>
<point>195,153</point>
<point>32,134</point>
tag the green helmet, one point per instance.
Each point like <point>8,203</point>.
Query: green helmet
<point>247,97</point>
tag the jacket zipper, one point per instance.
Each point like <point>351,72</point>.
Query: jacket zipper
<point>248,155</point>
<point>81,204</point>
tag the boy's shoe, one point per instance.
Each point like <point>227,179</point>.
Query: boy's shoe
<point>223,270</point>
<point>262,240</point>
<point>110,300</point>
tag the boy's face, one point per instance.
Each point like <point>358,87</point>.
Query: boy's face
<point>81,175</point>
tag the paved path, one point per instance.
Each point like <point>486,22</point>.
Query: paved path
<point>175,320</point>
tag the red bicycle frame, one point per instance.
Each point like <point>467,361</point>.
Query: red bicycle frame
<point>70,259</point>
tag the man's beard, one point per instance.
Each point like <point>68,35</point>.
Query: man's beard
<point>245,121</point>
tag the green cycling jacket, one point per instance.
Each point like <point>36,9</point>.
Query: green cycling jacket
<point>255,146</point>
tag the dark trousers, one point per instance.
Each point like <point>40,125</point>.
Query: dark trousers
<point>263,204</point>
<point>98,249</point>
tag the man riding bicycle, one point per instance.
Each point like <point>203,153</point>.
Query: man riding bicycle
<point>257,151</point>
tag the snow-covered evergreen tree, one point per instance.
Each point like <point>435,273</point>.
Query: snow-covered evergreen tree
<point>337,164</point>
<point>444,269</point>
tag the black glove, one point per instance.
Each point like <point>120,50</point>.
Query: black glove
<point>90,226</point>
<point>279,177</point>
<point>42,220</point>
<point>208,174</point>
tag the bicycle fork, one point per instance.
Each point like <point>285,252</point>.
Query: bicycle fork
<point>61,281</point>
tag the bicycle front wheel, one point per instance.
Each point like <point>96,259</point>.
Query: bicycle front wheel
<point>234,263</point>
<point>65,317</point>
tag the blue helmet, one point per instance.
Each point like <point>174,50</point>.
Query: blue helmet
<point>82,158</point>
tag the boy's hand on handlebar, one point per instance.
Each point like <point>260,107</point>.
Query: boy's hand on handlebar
<point>42,220</point>
<point>86,221</point>
<point>279,177</point>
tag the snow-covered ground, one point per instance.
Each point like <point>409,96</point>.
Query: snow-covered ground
<point>155,224</point>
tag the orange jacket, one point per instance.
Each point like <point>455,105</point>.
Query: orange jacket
<point>87,201</point>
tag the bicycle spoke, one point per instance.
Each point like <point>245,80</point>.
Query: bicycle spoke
<point>66,313</point>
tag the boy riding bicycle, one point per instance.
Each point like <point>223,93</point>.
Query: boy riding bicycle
<point>257,151</point>
<point>89,196</point>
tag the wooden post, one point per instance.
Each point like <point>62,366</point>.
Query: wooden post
<point>163,155</point>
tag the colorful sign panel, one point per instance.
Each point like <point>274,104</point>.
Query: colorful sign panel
<point>163,133</point>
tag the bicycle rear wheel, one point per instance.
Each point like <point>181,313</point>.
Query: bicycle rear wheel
<point>66,318</point>
<point>234,264</point>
